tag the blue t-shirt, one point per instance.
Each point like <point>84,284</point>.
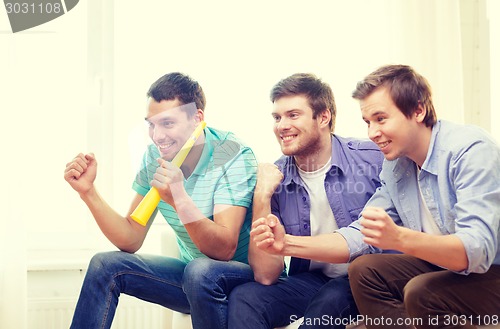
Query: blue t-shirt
<point>225,174</point>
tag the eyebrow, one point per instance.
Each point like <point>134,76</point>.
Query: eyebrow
<point>288,111</point>
<point>148,120</point>
<point>375,114</point>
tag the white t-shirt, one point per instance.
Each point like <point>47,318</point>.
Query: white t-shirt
<point>321,216</point>
<point>428,223</point>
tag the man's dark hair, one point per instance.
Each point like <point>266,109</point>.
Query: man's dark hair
<point>407,88</point>
<point>318,93</point>
<point>178,86</point>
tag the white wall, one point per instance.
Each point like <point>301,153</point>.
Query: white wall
<point>238,51</point>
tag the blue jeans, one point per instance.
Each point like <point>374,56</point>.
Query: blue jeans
<point>200,287</point>
<point>318,298</point>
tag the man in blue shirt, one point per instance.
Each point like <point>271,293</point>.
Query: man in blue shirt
<point>320,184</point>
<point>206,201</point>
<point>441,182</point>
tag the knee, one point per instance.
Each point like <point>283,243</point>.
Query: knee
<point>362,267</point>
<point>204,274</point>
<point>367,275</point>
<point>199,269</point>
<point>243,293</point>
<point>334,298</point>
<point>416,296</point>
<point>104,266</point>
<point>246,307</point>
<point>246,296</point>
<point>102,262</point>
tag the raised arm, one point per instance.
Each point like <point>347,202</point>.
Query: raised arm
<point>120,230</point>
<point>266,266</point>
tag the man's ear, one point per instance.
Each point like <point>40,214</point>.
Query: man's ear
<point>199,116</point>
<point>420,113</point>
<point>325,117</point>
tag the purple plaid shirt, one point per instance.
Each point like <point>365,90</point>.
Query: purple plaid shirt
<point>349,184</point>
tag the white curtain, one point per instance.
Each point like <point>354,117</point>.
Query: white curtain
<point>427,35</point>
<point>493,9</point>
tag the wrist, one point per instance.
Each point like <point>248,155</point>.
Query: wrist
<point>287,244</point>
<point>262,197</point>
<point>406,235</point>
<point>89,194</point>
<point>181,202</point>
<point>186,210</point>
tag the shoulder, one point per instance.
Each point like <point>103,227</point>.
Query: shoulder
<point>283,163</point>
<point>358,149</point>
<point>459,132</point>
<point>357,144</point>
<point>227,148</point>
<point>226,140</point>
<point>460,138</point>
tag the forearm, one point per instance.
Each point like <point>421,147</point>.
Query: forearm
<point>261,206</point>
<point>115,227</point>
<point>329,248</point>
<point>446,251</point>
<point>214,240</point>
<point>266,267</point>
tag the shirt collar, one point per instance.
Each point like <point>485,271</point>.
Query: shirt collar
<point>430,163</point>
<point>206,154</point>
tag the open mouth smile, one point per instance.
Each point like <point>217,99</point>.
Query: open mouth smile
<point>383,145</point>
<point>288,138</point>
<point>164,147</point>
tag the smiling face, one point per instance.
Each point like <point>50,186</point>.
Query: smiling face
<point>395,134</point>
<point>297,132</point>
<point>170,126</point>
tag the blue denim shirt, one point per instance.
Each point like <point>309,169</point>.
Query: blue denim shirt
<point>460,182</point>
<point>349,184</point>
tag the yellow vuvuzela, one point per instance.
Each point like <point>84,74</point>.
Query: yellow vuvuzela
<point>150,201</point>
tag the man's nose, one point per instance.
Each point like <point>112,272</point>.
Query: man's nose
<point>283,124</point>
<point>373,132</point>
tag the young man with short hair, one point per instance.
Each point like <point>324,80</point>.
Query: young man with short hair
<point>320,184</point>
<point>441,185</point>
<point>206,201</point>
